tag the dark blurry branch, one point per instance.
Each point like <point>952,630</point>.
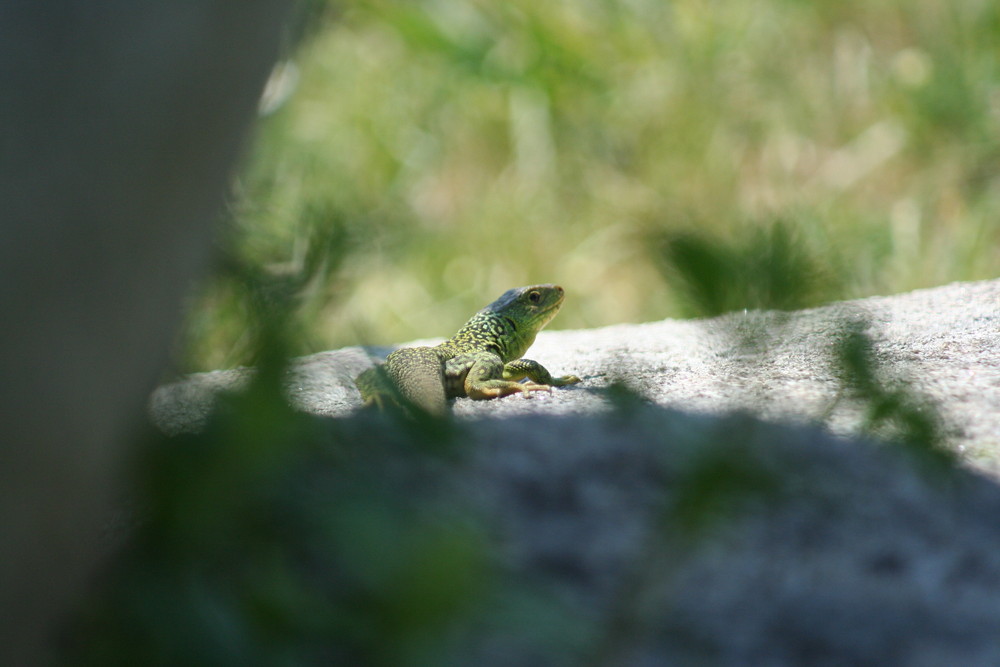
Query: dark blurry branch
<point>120,127</point>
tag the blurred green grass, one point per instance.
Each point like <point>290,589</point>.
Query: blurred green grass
<point>433,154</point>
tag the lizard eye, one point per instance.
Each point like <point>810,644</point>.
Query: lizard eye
<point>535,296</point>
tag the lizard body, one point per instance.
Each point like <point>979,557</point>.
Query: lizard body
<point>483,360</point>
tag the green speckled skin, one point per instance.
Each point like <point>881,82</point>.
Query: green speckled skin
<point>483,360</point>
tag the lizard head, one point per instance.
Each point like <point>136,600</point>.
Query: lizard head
<point>530,308</point>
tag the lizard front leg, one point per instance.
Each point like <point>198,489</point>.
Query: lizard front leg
<point>536,373</point>
<point>484,381</point>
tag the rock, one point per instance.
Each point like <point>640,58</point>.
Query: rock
<point>943,342</point>
<point>662,528</point>
<point>824,551</point>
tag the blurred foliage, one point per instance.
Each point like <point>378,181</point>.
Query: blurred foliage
<point>722,482</point>
<point>462,147</point>
<point>270,306</point>
<point>274,538</point>
<point>771,269</point>
<point>894,411</point>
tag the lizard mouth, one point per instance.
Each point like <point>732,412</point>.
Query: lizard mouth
<point>560,296</point>
<point>548,309</point>
<point>546,297</point>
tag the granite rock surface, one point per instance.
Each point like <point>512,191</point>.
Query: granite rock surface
<point>728,510</point>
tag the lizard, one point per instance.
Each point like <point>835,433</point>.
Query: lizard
<point>481,361</point>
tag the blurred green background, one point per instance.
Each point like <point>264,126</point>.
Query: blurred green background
<point>416,159</point>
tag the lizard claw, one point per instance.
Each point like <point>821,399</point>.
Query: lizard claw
<point>529,387</point>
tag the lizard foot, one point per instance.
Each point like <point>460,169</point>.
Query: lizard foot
<point>528,387</point>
